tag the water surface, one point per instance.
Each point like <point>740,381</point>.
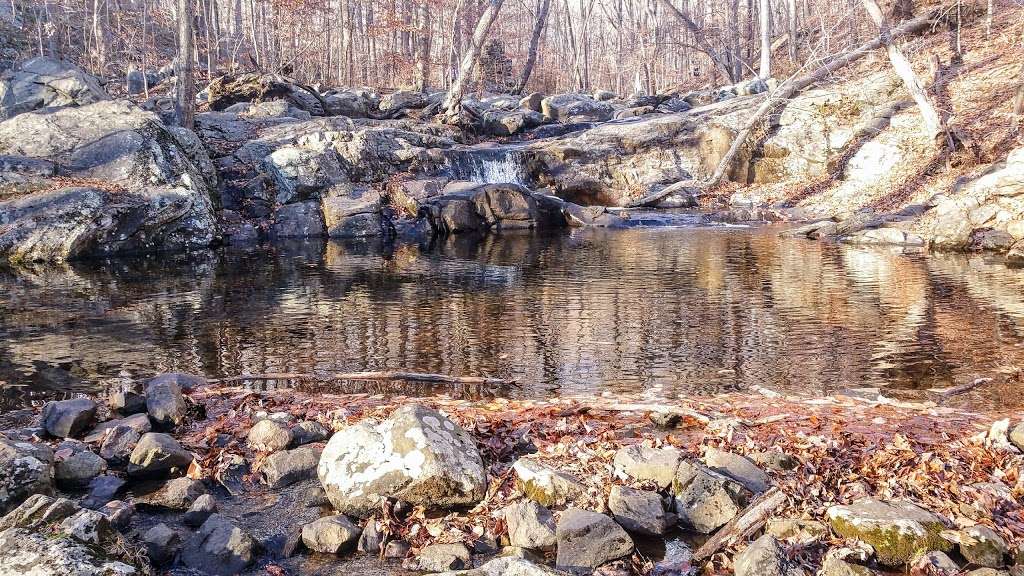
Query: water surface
<point>656,312</point>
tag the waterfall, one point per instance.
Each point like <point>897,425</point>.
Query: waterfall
<point>488,166</point>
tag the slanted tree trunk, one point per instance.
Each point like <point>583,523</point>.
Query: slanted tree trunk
<point>483,26</point>
<point>185,98</point>
<point>531,55</point>
<point>765,70</point>
<point>716,55</point>
<point>929,112</point>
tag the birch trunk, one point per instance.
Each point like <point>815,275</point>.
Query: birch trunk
<point>765,70</point>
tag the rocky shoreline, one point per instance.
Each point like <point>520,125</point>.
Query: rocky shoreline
<point>178,474</point>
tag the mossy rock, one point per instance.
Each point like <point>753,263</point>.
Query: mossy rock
<point>899,531</point>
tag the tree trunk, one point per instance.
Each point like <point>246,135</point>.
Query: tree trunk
<point>531,55</point>
<point>483,26</point>
<point>423,46</point>
<point>932,121</point>
<point>765,70</point>
<point>698,36</point>
<point>791,17</point>
<point>1018,101</point>
<point>185,79</point>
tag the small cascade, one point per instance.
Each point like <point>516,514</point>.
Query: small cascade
<point>488,166</point>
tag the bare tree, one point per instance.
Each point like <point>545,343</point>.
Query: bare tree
<point>539,22</point>
<point>483,26</point>
<point>765,71</point>
<point>185,100</point>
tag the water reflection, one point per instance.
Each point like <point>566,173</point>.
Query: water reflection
<point>659,312</point>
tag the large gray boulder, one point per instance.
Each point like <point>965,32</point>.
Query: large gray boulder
<point>706,500</point>
<point>219,547</point>
<point>737,467</point>
<point>570,108</point>
<point>36,554</point>
<point>44,82</point>
<point>25,469</point>
<point>417,455</point>
<point>165,402</point>
<point>899,531</point>
<point>658,465</point>
<point>492,207</point>
<point>68,417</point>
<point>402,100</point>
<point>330,534</point>
<point>587,540</point>
<point>157,453</point>
<point>640,511</point>
<point>530,525</point>
<point>127,185</point>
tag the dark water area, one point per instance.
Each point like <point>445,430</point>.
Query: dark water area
<point>659,313</point>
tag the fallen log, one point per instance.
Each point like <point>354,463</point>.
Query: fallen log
<point>778,98</point>
<point>743,526</point>
<point>410,376</point>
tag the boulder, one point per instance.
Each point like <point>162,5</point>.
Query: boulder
<point>935,563</point>
<point>797,529</point>
<point>705,499</point>
<point>640,511</point>
<point>1017,436</point>
<point>119,513</point>
<point>348,104</point>
<point>833,566</point>
<point>299,220</point>
<point>137,422</point>
<point>587,540</point>
<point>658,465</point>
<point>402,100</point>
<point>143,190</point>
<point>530,525</point>
<point>330,535</point>
<point>102,489</point>
<point>353,212</point>
<point>899,531</point>
<point>737,467</point>
<point>440,558</point>
<point>764,557</point>
<point>982,546</point>
<point>604,95</point>
<point>177,494</point>
<point>68,418</point>
<point>268,436</point>
<point>78,468</point>
<point>570,108</point>
<point>165,402</point>
<point>301,173</point>
<point>162,544</point>
<point>287,467</point>
<point>417,456</point>
<point>507,123</point>
<point>47,556</point>
<point>88,526</point>
<point>775,460</point>
<point>307,432</point>
<point>127,402</point>
<point>507,566</point>
<point>219,548</point>
<point>532,101</point>
<point>545,485</point>
<point>200,510</point>
<point>38,511</point>
<point>497,207</point>
<point>44,82</point>
<point>25,469</point>
<point>118,444</point>
<point>157,453</point>
<point>230,89</point>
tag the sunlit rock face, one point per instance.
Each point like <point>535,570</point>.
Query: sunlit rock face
<point>417,456</point>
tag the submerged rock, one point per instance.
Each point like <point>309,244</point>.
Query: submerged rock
<point>331,535</point>
<point>417,456</point>
<point>219,547</point>
<point>530,525</point>
<point>587,540</point>
<point>899,531</point>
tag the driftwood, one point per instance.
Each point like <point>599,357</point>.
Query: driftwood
<point>783,93</point>
<point>743,526</point>
<point>410,376</point>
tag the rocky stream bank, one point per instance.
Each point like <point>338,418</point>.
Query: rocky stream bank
<point>180,475</point>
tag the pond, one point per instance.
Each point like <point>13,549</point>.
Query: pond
<point>659,312</point>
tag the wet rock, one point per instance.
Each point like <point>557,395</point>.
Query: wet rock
<point>1017,436</point>
<point>507,123</point>
<point>44,82</point>
<point>119,513</point>
<point>268,436</point>
<point>201,509</point>
<point>705,499</point>
<point>127,402</point>
<point>797,529</point>
<point>545,485</point>
<point>737,467</point>
<point>68,418</point>
<point>764,557</point>
<point>658,465</point>
<point>587,540</point>
<point>678,561</point>
<point>75,465</point>
<point>287,467</point>
<point>439,558</point>
<point>177,494</point>
<point>934,563</point>
<point>102,489</point>
<point>219,547</point>
<point>157,453</point>
<point>530,525</point>
<point>37,511</point>
<point>331,535</point>
<point>25,469</point>
<point>417,456</point>
<point>299,220</point>
<point>371,538</point>
<point>640,511</point>
<point>52,556</point>
<point>899,530</point>
<point>88,526</point>
<point>571,108</point>
<point>165,401</point>
<point>396,549</point>
<point>982,546</point>
<point>307,432</point>
<point>162,544</point>
<point>118,444</point>
<point>833,566</point>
